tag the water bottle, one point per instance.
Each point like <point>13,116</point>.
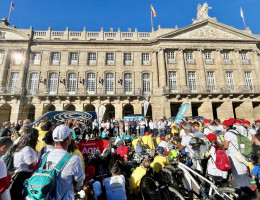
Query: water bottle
<point>242,148</point>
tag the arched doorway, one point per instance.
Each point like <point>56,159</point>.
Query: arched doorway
<point>5,113</point>
<point>89,107</point>
<point>31,113</point>
<point>149,113</point>
<point>128,110</point>
<point>48,108</point>
<point>70,107</point>
<point>110,112</point>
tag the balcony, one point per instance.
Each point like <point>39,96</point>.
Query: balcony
<point>227,61</point>
<point>128,62</point>
<point>92,62</point>
<point>146,62</point>
<point>74,62</point>
<point>171,61</point>
<point>96,92</point>
<point>17,91</point>
<point>209,61</point>
<point>246,62</point>
<point>190,61</point>
<point>199,89</point>
<point>110,62</point>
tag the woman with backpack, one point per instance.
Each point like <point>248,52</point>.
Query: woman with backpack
<point>25,159</point>
<point>238,169</point>
<point>213,170</point>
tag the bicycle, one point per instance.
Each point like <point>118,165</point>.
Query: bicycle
<point>152,190</point>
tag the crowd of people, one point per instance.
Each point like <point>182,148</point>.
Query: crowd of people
<point>30,154</point>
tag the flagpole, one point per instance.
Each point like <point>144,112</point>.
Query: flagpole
<point>242,15</point>
<point>151,17</point>
<point>244,23</point>
<point>10,12</point>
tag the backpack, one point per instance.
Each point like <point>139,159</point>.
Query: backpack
<point>200,147</point>
<point>244,140</point>
<point>222,161</point>
<point>42,183</point>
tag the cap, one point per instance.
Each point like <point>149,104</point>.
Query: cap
<point>231,119</point>
<point>246,122</point>
<point>60,133</point>
<point>6,123</point>
<point>146,133</point>
<point>211,136</point>
<point>228,123</point>
<point>90,173</point>
<point>161,138</point>
<point>257,120</point>
<point>206,121</point>
<point>238,121</point>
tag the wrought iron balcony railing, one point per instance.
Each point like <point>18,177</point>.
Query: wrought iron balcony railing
<point>11,91</point>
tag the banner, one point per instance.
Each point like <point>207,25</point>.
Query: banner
<point>181,113</point>
<point>92,146</point>
<point>101,112</point>
<point>146,105</point>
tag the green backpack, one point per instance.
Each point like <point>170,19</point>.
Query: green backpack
<point>42,183</point>
<point>244,140</point>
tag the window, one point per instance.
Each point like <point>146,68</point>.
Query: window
<point>72,83</point>
<point>230,80</point>
<point>17,58</point>
<point>173,81</point>
<point>34,82</point>
<point>128,83</point>
<point>55,58</point>
<point>211,81</point>
<point>1,57</point>
<point>248,81</point>
<point>110,59</point>
<point>74,57</point>
<point>14,81</point>
<point>53,83</point>
<point>226,58</point>
<point>171,57</point>
<point>92,59</point>
<point>244,58</point>
<point>91,82</point>
<point>192,81</point>
<point>208,58</point>
<point>127,59</point>
<point>36,58</point>
<point>146,59</point>
<point>109,83</point>
<point>189,56</point>
<point>146,84</point>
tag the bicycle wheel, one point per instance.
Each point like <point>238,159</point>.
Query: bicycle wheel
<point>170,193</point>
<point>149,189</point>
<point>228,193</point>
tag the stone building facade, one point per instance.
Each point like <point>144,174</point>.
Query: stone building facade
<point>213,66</point>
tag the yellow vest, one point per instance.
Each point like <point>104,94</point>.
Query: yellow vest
<point>148,140</point>
<point>135,179</point>
<point>40,143</point>
<point>159,162</point>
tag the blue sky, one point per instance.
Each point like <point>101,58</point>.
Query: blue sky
<point>124,14</point>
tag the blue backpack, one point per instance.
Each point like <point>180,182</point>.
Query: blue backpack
<point>42,183</point>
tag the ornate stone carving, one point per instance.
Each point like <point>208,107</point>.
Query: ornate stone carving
<point>207,32</point>
<point>202,13</point>
<point>2,35</point>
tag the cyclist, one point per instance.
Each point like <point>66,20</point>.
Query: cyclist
<point>160,160</point>
<point>148,140</point>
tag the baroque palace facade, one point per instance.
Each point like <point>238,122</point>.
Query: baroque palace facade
<point>213,66</point>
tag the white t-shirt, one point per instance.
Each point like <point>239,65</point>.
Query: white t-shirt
<point>115,188</point>
<point>233,143</point>
<point>209,129</point>
<point>47,148</point>
<point>241,130</point>
<point>72,172</point>
<point>163,144</point>
<point>126,126</point>
<point>250,132</point>
<point>212,169</point>
<point>142,124</point>
<point>108,125</point>
<point>3,173</point>
<point>24,158</point>
<point>185,141</point>
<point>151,125</point>
<point>182,133</point>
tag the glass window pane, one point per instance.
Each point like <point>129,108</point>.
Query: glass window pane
<point>146,83</point>
<point>230,81</point>
<point>192,81</point>
<point>173,81</point>
<point>91,82</point>
<point>109,83</point>
<point>211,81</point>
<point>1,57</point>
<point>128,82</point>
<point>14,81</point>
<point>248,79</point>
<point>72,82</point>
<point>34,82</point>
<point>53,79</point>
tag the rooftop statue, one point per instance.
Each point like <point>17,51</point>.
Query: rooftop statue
<point>202,13</point>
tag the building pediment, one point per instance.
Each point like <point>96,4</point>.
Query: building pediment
<point>8,33</point>
<point>209,30</point>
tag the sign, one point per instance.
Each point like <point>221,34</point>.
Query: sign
<point>146,105</point>
<point>101,112</point>
<point>88,147</point>
<point>181,113</point>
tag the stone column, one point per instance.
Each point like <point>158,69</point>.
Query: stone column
<point>245,111</point>
<point>225,110</point>
<point>23,72</point>
<point>155,70</point>
<point>162,70</point>
<point>4,69</point>
<point>256,63</point>
<point>239,78</point>
<point>200,62</point>
<point>182,68</point>
<point>16,110</point>
<point>118,110</point>
<point>205,110</point>
<point>221,81</point>
<point>137,107</point>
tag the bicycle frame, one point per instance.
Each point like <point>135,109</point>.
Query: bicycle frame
<point>187,172</point>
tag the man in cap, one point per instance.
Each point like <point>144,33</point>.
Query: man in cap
<point>185,141</point>
<point>5,131</point>
<point>249,130</point>
<point>72,173</point>
<point>240,129</point>
<point>257,124</point>
<point>208,128</point>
